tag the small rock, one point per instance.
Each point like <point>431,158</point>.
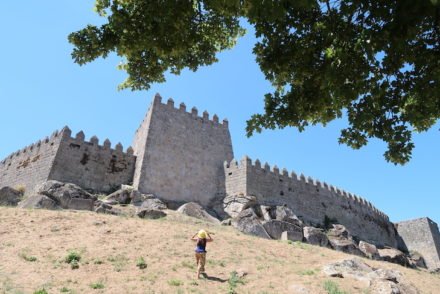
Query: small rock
<point>121,196</point>
<point>339,231</point>
<point>226,222</point>
<point>39,201</point>
<point>416,260</point>
<point>153,203</point>
<point>315,236</point>
<point>298,289</point>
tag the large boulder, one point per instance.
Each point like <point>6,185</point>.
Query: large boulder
<point>393,255</point>
<point>292,236</point>
<point>248,223</point>
<point>315,236</point>
<point>338,231</point>
<point>153,203</point>
<point>121,196</point>
<point>150,213</point>
<point>59,195</point>
<point>275,228</point>
<point>381,281</point>
<point>196,210</point>
<point>39,201</point>
<point>369,250</point>
<point>416,260</point>
<point>344,245</point>
<point>9,196</point>
<point>285,214</point>
<point>234,204</point>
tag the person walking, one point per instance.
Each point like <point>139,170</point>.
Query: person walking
<point>202,237</point>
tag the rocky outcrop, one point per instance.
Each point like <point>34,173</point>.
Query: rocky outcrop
<point>59,195</point>
<point>196,210</point>
<point>416,260</point>
<point>315,236</point>
<point>378,280</point>
<point>285,214</point>
<point>341,240</point>
<point>153,203</point>
<point>292,236</point>
<point>393,255</point>
<point>369,250</point>
<point>150,213</point>
<point>275,228</point>
<point>234,204</point>
<point>9,196</point>
<point>121,196</point>
<point>247,222</point>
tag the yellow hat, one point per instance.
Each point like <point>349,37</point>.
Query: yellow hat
<point>201,234</point>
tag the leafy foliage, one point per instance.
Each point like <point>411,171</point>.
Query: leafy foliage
<point>378,62</point>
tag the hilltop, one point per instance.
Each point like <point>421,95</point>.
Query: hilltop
<point>113,249</point>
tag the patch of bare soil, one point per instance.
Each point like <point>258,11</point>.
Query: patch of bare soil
<point>130,255</point>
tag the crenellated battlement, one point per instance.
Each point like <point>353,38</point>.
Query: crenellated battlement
<point>301,179</point>
<point>182,109</point>
<point>79,139</point>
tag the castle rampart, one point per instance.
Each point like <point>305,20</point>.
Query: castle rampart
<point>74,160</point>
<point>92,166</point>
<point>31,165</point>
<point>180,154</point>
<point>312,200</point>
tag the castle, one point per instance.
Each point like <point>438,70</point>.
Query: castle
<point>181,156</point>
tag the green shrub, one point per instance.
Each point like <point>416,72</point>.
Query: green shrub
<point>72,256</point>
<point>41,291</point>
<point>233,282</point>
<point>332,288</point>
<point>97,285</point>
<point>140,263</point>
<point>175,282</point>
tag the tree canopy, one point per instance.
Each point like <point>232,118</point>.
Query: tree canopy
<point>377,62</point>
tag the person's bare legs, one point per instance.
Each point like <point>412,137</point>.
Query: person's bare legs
<point>198,265</point>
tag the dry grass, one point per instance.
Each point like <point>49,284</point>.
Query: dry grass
<point>130,255</point>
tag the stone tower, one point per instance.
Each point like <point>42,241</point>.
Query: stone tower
<point>179,154</point>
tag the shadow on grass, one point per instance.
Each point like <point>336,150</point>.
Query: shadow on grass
<point>212,278</point>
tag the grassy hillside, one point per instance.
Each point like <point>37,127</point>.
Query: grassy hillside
<point>131,255</point>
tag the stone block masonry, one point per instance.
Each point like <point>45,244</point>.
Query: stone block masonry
<point>31,165</point>
<point>421,235</point>
<point>313,201</point>
<point>180,154</point>
<point>73,160</point>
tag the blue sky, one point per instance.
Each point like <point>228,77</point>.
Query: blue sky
<point>41,90</point>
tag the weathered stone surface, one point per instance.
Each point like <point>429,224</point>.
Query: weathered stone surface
<point>393,255</point>
<point>275,228</point>
<point>266,212</point>
<point>9,196</point>
<point>153,203</point>
<point>121,196</point>
<point>285,214</point>
<point>369,250</point>
<point>107,209</point>
<point>380,281</point>
<point>248,223</point>
<point>81,204</point>
<point>196,210</point>
<point>315,236</point>
<point>416,260</point>
<point>151,213</point>
<point>62,193</point>
<point>234,204</point>
<point>39,201</point>
<point>292,236</point>
<point>137,198</point>
<point>338,231</point>
<point>344,245</point>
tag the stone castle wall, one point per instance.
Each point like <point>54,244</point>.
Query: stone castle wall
<point>92,166</point>
<point>180,154</point>
<point>31,165</point>
<point>310,199</point>
<point>421,235</point>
